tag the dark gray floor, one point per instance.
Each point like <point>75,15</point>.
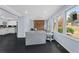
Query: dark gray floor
<point>11,44</point>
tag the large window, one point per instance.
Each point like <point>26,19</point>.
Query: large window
<point>60,24</point>
<point>72,17</point>
<point>55,27</point>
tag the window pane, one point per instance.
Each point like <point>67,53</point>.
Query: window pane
<point>72,16</point>
<point>60,24</point>
<point>54,27</point>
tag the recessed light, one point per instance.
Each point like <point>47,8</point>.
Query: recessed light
<point>26,12</point>
<point>45,11</point>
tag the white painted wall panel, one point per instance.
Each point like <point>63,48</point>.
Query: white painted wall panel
<point>71,44</point>
<point>27,23</point>
<point>21,29</point>
<point>24,25</point>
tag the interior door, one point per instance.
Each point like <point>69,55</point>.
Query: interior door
<point>39,24</point>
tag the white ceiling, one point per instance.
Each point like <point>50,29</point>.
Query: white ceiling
<point>36,11</point>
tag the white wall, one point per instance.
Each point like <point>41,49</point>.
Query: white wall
<point>21,30</point>
<point>45,24</point>
<point>51,24</point>
<point>27,23</point>
<point>32,23</point>
<point>1,23</point>
<point>12,22</point>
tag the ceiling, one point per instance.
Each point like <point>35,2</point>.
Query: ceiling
<point>36,11</point>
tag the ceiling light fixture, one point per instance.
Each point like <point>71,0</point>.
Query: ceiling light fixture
<point>26,12</point>
<point>45,11</point>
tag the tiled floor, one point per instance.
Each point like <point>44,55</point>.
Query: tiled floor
<point>11,44</point>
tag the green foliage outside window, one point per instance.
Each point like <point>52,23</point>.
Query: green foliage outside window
<point>70,30</point>
<point>60,30</point>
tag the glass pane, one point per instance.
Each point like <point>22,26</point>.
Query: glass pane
<point>60,24</point>
<point>72,17</point>
<point>54,27</point>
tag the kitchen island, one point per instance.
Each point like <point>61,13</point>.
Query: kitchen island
<point>35,37</point>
